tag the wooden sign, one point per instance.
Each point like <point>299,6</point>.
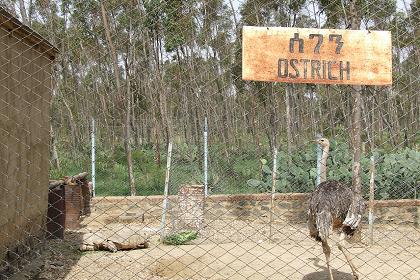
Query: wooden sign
<point>320,56</point>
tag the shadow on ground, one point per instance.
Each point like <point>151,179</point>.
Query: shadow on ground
<point>323,275</point>
<point>53,261</point>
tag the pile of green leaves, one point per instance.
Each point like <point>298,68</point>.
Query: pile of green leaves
<point>180,238</point>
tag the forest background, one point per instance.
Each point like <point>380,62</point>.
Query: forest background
<point>150,71</point>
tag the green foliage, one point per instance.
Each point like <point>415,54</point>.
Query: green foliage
<point>185,153</point>
<point>68,166</point>
<point>180,238</point>
<point>396,172</point>
<point>266,182</point>
<point>245,168</point>
<point>112,172</point>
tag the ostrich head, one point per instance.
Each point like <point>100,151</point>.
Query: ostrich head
<point>323,142</point>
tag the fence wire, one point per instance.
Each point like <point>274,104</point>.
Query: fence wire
<point>131,148</point>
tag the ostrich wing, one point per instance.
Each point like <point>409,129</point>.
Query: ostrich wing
<point>352,220</point>
<point>354,214</point>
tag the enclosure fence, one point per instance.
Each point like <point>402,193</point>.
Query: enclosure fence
<point>131,147</point>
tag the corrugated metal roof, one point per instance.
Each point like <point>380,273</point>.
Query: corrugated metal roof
<point>32,38</point>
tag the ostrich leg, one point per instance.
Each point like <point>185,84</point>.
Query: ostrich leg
<point>347,255</point>
<point>327,253</point>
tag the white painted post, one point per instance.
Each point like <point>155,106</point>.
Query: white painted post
<point>371,197</point>
<point>205,158</point>
<point>273,188</point>
<point>93,158</point>
<point>318,160</point>
<point>166,191</point>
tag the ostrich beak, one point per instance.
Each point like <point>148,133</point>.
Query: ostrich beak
<point>316,141</point>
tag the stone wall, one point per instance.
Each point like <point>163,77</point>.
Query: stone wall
<point>288,208</point>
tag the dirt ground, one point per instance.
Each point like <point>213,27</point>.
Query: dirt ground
<point>227,249</point>
<point>237,250</point>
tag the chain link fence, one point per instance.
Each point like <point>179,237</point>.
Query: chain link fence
<point>164,164</point>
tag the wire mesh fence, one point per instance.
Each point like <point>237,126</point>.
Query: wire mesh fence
<point>164,164</point>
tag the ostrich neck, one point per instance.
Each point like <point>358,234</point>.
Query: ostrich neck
<point>323,173</point>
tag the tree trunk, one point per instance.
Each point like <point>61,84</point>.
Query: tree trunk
<point>356,209</point>
<point>356,131</point>
<point>127,132</point>
<point>356,115</point>
<point>54,153</point>
<point>73,132</point>
<point>23,12</point>
<point>289,124</point>
<point>126,121</point>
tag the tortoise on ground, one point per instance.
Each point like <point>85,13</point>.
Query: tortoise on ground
<point>119,238</point>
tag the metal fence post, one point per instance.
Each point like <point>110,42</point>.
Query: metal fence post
<point>93,158</point>
<point>273,188</point>
<point>205,157</point>
<point>166,191</point>
<point>371,197</point>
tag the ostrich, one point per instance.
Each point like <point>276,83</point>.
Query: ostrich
<point>333,206</point>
